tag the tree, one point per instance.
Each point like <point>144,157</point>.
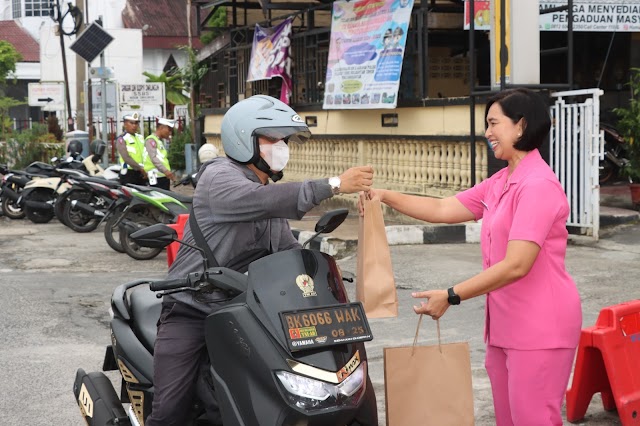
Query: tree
<point>173,87</point>
<point>215,25</point>
<point>192,73</point>
<point>9,56</point>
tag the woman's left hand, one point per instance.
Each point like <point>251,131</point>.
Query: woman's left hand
<point>436,305</point>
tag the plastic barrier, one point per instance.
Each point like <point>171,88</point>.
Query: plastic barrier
<point>608,362</point>
<point>172,249</point>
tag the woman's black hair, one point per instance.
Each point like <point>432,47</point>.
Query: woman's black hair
<point>524,104</point>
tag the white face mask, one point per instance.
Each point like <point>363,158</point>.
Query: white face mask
<point>276,155</point>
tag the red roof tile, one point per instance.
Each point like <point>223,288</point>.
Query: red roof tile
<point>165,18</point>
<point>20,38</point>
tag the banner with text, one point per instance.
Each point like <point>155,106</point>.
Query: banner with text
<point>588,15</point>
<point>271,56</point>
<point>366,49</point>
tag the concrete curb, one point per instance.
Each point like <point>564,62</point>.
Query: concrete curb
<point>397,235</point>
<point>442,234</point>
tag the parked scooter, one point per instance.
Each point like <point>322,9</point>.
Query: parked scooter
<point>615,154</point>
<point>286,348</point>
<point>13,183</point>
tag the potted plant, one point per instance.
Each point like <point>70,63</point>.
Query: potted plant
<point>629,125</point>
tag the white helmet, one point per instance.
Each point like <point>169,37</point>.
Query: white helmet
<point>207,152</point>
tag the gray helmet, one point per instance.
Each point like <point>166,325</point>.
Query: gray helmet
<point>259,116</point>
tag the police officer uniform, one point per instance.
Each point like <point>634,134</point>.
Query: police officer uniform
<point>156,159</point>
<point>130,147</point>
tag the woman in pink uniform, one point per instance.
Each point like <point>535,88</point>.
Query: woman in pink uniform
<point>533,312</point>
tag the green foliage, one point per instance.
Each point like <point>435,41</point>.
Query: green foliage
<point>193,71</point>
<point>6,125</point>
<point>176,148</point>
<point>173,85</point>
<point>35,144</point>
<point>629,125</point>
<point>217,23</point>
<point>53,127</point>
<point>9,56</point>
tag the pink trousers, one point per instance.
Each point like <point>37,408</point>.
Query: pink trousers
<point>528,386</point>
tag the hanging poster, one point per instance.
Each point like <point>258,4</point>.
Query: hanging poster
<point>271,56</point>
<point>366,49</point>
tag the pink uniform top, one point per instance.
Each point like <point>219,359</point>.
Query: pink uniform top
<point>542,309</point>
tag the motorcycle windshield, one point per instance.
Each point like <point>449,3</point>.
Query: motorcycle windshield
<point>295,280</point>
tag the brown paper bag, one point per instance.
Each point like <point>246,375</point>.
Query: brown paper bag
<point>428,385</point>
<point>375,285</point>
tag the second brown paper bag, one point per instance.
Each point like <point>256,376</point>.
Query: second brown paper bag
<point>375,284</point>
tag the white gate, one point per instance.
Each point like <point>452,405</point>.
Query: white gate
<point>577,146</point>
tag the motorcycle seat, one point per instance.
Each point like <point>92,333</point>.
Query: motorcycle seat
<point>145,311</point>
<point>179,197</point>
<point>96,179</point>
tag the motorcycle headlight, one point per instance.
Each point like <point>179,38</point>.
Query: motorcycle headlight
<point>312,394</point>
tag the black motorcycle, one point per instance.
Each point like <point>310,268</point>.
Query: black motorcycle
<point>615,154</point>
<point>286,347</point>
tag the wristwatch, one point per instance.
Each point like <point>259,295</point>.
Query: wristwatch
<point>453,298</point>
<point>335,185</point>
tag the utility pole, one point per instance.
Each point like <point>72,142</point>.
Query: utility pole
<point>70,126</point>
<point>103,106</point>
<point>81,75</point>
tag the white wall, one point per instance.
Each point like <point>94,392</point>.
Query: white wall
<point>155,59</point>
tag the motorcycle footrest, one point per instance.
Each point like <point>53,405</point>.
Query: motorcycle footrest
<point>98,401</point>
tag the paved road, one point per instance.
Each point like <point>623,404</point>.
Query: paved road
<point>56,286</point>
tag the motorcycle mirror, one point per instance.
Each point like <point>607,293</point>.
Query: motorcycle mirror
<point>331,220</point>
<point>154,236</point>
<point>328,223</point>
<point>54,159</point>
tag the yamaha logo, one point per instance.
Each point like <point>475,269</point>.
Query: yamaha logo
<point>297,119</point>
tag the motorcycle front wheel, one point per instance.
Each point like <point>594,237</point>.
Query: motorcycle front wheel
<point>77,219</point>
<point>131,247</point>
<point>112,232</point>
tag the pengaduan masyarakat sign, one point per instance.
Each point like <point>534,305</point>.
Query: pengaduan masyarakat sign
<point>588,15</point>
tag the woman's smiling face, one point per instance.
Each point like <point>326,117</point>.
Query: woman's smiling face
<point>502,133</point>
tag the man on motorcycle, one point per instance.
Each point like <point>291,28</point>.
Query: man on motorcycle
<point>130,146</point>
<point>241,217</point>
<point>156,158</point>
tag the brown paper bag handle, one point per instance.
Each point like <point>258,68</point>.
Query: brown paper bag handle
<point>415,338</point>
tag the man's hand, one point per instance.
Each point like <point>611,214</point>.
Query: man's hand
<point>356,179</point>
<point>170,175</point>
<point>144,174</point>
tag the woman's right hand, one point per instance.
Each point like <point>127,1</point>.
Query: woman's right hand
<point>372,194</point>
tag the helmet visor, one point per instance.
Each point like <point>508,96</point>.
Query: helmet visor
<point>297,134</point>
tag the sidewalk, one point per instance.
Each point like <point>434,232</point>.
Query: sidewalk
<point>615,209</point>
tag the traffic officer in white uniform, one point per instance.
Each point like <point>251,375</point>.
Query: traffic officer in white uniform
<point>156,159</point>
<point>130,146</point>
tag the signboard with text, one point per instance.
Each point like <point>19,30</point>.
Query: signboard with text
<point>137,95</point>
<point>588,15</point>
<point>48,96</point>
<point>366,51</point>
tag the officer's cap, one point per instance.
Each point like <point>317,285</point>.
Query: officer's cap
<point>134,116</point>
<point>166,122</point>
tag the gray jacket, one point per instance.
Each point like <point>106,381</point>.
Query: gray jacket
<point>237,213</point>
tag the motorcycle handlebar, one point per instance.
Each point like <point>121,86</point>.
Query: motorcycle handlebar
<point>160,285</point>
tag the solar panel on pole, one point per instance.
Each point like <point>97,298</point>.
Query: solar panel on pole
<point>91,42</point>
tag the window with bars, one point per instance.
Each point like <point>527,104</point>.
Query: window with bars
<point>17,8</point>
<point>36,7</point>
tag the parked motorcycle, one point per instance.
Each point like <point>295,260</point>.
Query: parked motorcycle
<point>88,202</point>
<point>615,154</point>
<point>147,207</point>
<point>286,348</point>
<point>13,183</point>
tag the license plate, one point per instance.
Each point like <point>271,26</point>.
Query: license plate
<point>325,326</point>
